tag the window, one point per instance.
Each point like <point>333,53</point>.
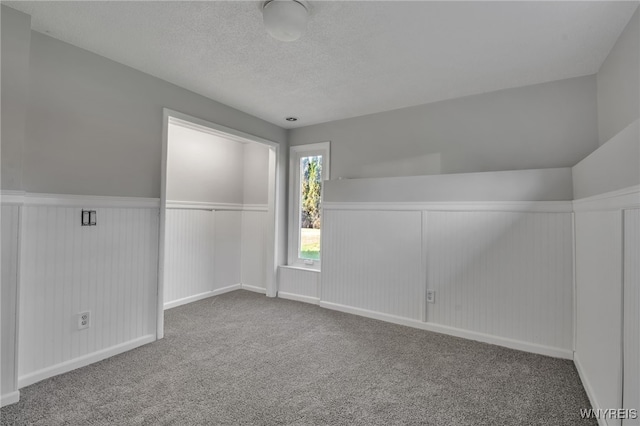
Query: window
<point>309,168</point>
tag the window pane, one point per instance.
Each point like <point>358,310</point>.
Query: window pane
<point>310,190</point>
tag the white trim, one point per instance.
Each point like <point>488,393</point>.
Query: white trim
<point>255,207</point>
<point>272,224</point>
<point>12,197</point>
<point>206,294</point>
<point>254,288</point>
<point>501,341</point>
<point>20,273</point>
<point>588,388</point>
<point>574,284</point>
<point>300,268</point>
<point>274,209</point>
<point>500,206</point>
<point>67,200</point>
<point>208,127</point>
<point>295,153</point>
<point>83,361</point>
<point>424,264</point>
<point>9,398</point>
<point>70,200</point>
<point>312,147</point>
<point>311,267</point>
<point>299,298</point>
<point>626,198</point>
<point>202,205</point>
<point>452,331</point>
<point>162,226</point>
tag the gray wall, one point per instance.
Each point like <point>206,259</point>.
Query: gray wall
<point>515,185</point>
<point>619,83</point>
<point>94,126</point>
<point>203,167</point>
<point>206,168</point>
<point>615,165</point>
<point>256,173</point>
<point>540,126</point>
<point>16,37</point>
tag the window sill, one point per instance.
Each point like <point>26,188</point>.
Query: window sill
<point>310,268</point>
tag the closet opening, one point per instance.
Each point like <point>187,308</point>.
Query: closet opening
<point>217,213</point>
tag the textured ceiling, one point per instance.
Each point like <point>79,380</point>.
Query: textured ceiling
<point>356,58</point>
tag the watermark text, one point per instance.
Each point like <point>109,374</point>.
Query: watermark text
<point>609,413</point>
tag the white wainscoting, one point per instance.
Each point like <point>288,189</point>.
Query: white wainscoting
<point>109,269</point>
<point>505,274</point>
<point>372,260</point>
<point>599,305</point>
<point>607,297</point>
<point>228,249</point>
<point>631,368</point>
<point>189,255</point>
<point>253,259</point>
<point>502,274</point>
<point>299,284</point>
<point>212,248</point>
<point>9,233</point>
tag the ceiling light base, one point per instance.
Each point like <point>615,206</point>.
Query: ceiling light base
<point>285,20</point>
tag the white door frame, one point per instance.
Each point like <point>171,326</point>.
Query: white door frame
<point>273,201</point>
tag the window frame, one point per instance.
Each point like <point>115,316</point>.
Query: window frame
<point>295,154</point>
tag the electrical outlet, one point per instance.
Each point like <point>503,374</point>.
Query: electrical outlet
<point>84,320</point>
<point>431,296</point>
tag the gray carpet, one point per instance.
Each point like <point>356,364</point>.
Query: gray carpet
<point>242,358</point>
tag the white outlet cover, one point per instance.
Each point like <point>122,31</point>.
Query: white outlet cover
<point>431,296</point>
<point>84,320</point>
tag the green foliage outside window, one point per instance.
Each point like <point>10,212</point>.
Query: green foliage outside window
<point>311,190</point>
<point>311,178</point>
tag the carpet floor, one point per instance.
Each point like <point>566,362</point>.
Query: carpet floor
<point>242,358</point>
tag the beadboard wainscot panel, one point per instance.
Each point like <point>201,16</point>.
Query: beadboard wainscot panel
<point>109,269</point>
<point>631,355</point>
<point>372,262</point>
<point>300,284</point>
<point>606,262</point>
<point>228,240</point>
<point>254,238</point>
<point>503,274</point>
<point>10,253</point>
<point>189,255</point>
<point>599,261</point>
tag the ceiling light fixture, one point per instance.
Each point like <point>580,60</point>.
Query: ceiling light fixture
<point>285,20</point>
<point>291,119</point>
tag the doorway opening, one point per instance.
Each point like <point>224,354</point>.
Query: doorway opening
<point>217,212</point>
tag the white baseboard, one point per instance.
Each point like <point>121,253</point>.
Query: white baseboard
<point>9,398</point>
<point>501,341</point>
<point>200,296</point>
<point>452,331</point>
<point>299,297</point>
<point>254,288</point>
<point>83,361</point>
<point>588,388</point>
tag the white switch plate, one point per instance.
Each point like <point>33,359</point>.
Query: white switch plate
<point>84,320</point>
<point>431,296</point>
